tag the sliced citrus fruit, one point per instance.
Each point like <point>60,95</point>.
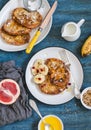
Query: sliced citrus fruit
<point>9,91</point>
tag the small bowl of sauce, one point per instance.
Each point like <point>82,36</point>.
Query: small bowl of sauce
<point>53,120</point>
<point>32,5</point>
<point>86,98</point>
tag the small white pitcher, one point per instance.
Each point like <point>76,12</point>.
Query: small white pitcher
<point>71,31</point>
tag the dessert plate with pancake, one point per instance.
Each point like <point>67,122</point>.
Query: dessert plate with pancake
<point>18,26</point>
<point>49,78</point>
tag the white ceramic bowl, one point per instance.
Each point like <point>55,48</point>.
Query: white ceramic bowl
<point>52,116</point>
<point>84,91</point>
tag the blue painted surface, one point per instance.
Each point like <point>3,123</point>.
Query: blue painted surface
<point>73,114</point>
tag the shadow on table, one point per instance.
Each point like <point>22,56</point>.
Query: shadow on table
<point>35,125</point>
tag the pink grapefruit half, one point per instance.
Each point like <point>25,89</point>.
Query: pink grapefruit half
<point>9,91</point>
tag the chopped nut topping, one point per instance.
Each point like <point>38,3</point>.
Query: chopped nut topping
<point>87,98</point>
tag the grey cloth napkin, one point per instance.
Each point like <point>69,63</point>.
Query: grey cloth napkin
<point>20,109</point>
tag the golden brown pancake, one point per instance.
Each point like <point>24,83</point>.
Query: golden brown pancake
<point>14,40</point>
<point>13,28</point>
<point>58,77</point>
<point>29,19</point>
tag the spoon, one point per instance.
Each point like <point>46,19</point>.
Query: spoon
<point>34,106</point>
<point>76,92</point>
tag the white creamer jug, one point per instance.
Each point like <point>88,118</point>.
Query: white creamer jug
<point>71,31</point>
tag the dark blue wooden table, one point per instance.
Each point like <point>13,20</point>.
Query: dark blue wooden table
<point>73,114</point>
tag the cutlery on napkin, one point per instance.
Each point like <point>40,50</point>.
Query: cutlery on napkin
<point>42,26</point>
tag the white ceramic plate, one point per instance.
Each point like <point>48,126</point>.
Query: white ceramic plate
<point>63,97</point>
<point>6,14</point>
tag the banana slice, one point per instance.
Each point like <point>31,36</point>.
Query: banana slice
<point>39,78</point>
<point>39,67</point>
<point>35,70</point>
<point>38,63</point>
<point>43,69</point>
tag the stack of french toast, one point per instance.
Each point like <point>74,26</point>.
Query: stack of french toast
<point>16,30</point>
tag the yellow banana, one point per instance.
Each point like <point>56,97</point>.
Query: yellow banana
<point>86,48</point>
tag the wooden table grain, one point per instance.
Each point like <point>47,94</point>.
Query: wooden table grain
<point>72,113</point>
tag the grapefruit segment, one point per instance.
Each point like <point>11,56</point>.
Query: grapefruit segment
<point>9,91</point>
<point>4,97</point>
<point>10,86</point>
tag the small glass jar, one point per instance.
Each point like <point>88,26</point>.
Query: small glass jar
<point>32,5</point>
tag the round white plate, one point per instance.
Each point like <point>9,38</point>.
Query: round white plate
<point>65,96</point>
<point>5,14</point>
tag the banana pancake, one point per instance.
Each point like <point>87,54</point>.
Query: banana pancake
<point>51,75</point>
<point>47,87</point>
<point>57,78</point>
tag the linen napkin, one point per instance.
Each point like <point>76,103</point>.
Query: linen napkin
<point>20,109</point>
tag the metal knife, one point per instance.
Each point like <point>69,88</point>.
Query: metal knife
<point>42,26</point>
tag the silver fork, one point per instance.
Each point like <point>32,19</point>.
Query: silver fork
<point>64,56</point>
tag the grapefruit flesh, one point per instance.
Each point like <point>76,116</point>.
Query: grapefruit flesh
<point>10,86</point>
<point>4,97</point>
<point>9,91</point>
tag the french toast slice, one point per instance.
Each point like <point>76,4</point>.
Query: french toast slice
<point>29,19</point>
<point>14,40</point>
<point>13,28</point>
